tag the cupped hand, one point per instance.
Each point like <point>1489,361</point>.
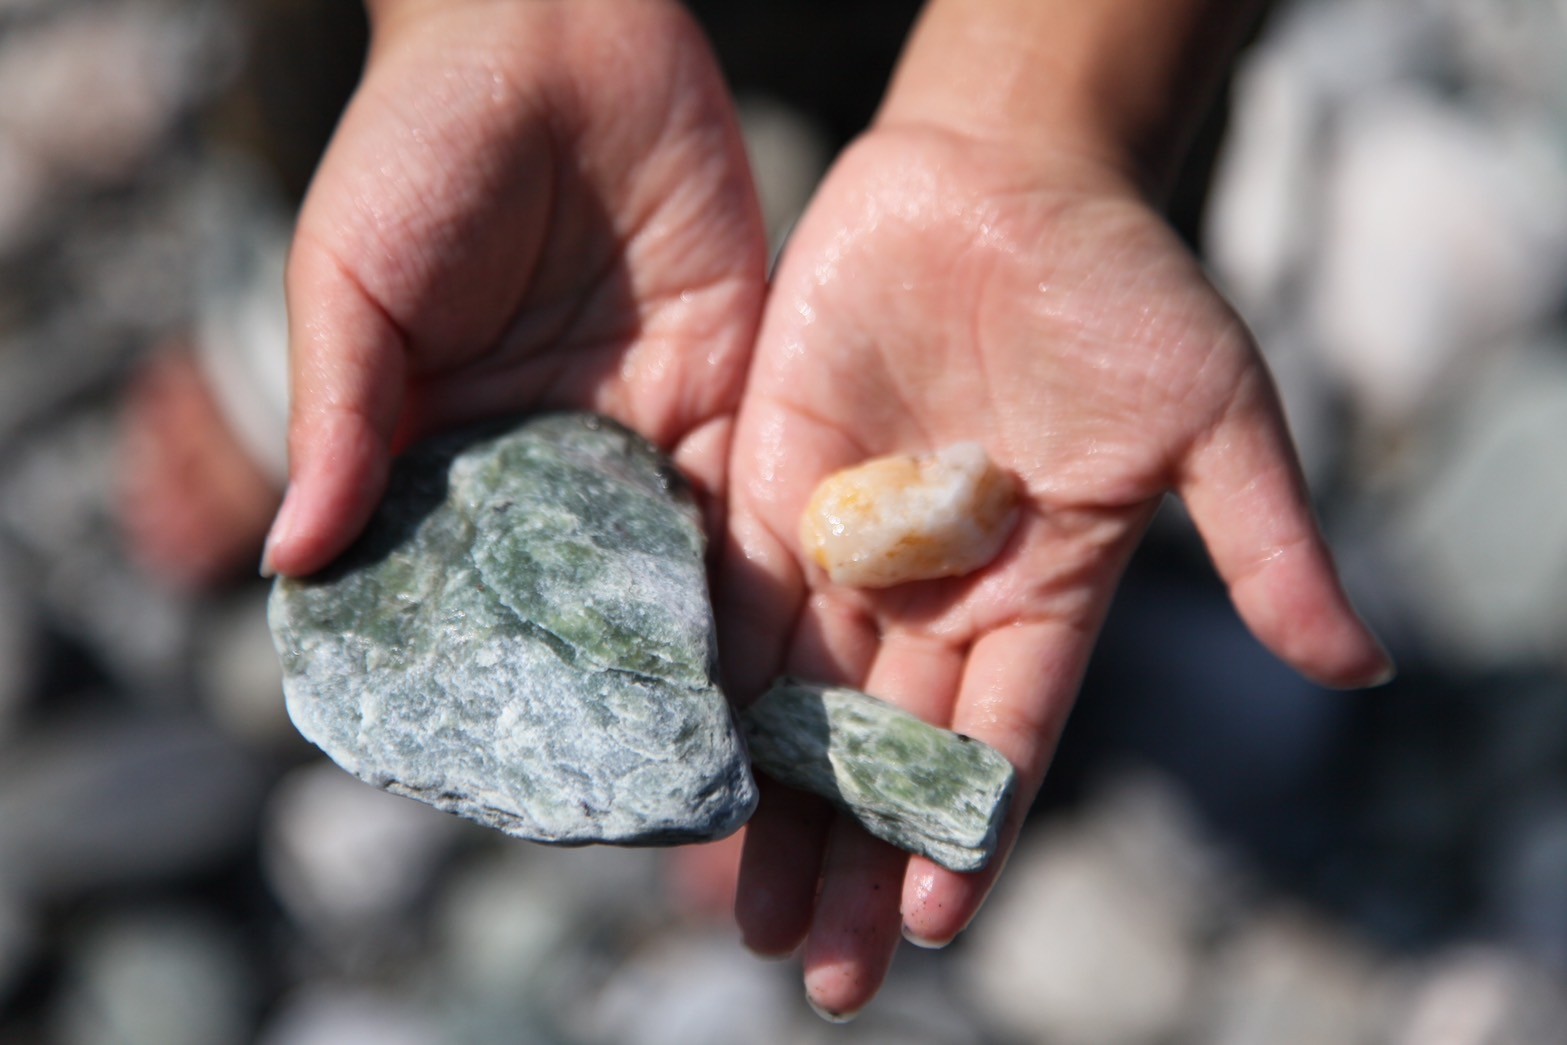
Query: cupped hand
<point>527,205</point>
<point>944,288</point>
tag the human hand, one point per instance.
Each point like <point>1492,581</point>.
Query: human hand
<point>945,287</point>
<point>526,206</point>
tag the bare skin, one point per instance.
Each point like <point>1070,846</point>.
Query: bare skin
<point>526,206</point>
<point>954,281</point>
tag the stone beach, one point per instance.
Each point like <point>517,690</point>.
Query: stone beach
<point>1223,854</point>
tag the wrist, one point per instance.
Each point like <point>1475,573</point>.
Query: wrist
<point>392,16</point>
<point>1120,83</point>
<point>385,11</point>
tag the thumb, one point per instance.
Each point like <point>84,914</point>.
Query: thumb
<point>346,374</point>
<point>1243,486</point>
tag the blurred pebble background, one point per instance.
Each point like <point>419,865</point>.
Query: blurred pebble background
<point>1224,855</point>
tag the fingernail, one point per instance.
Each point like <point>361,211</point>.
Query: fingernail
<point>1388,673</point>
<point>829,1016</point>
<point>1388,670</point>
<point>768,955</point>
<point>282,528</point>
<point>924,941</point>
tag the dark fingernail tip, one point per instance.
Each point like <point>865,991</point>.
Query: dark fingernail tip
<point>829,1015</point>
<point>767,954</point>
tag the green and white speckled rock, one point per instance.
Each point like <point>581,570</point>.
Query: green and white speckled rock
<point>523,636</point>
<point>923,789</point>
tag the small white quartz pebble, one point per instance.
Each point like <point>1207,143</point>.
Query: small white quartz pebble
<point>907,518</point>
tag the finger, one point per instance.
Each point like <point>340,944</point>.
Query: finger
<point>1017,690</point>
<point>762,584</point>
<point>702,456</point>
<point>786,839</point>
<point>757,595</point>
<point>855,931</point>
<point>767,625</point>
<point>780,865</point>
<point>346,373</point>
<point>1243,487</point>
<point>700,879</point>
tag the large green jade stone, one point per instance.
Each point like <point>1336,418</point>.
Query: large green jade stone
<point>923,789</point>
<point>523,636</point>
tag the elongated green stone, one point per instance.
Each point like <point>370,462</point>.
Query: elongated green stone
<point>921,788</point>
<point>523,636</point>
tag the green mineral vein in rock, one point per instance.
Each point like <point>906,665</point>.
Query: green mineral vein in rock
<point>523,636</point>
<point>923,789</point>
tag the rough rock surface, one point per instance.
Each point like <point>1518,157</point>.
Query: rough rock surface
<point>523,636</point>
<point>923,789</point>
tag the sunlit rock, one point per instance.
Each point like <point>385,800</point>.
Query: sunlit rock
<point>523,636</point>
<point>906,518</point>
<point>921,788</point>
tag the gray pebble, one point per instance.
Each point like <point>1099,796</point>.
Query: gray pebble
<point>921,788</point>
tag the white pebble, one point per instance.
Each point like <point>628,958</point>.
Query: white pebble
<point>907,518</point>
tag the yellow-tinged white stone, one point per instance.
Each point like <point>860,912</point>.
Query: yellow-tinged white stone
<point>907,518</point>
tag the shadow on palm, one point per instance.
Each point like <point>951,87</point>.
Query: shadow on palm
<point>491,233</point>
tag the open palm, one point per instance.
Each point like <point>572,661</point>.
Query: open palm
<point>941,289</point>
<point>526,206</point>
